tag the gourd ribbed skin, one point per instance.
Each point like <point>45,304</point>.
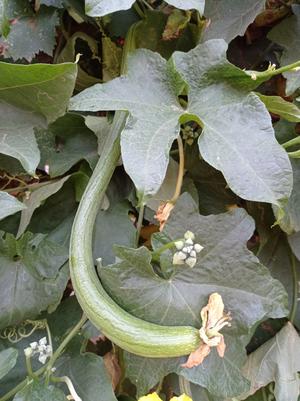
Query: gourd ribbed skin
<point>128,332</point>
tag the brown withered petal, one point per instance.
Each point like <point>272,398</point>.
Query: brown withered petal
<point>197,357</point>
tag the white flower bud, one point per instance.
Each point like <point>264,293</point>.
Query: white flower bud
<point>179,245</point>
<point>198,248</point>
<point>193,254</point>
<point>28,352</point>
<point>191,261</point>
<point>189,235</point>
<point>34,346</point>
<point>189,241</point>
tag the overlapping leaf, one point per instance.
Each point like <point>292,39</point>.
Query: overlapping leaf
<point>230,18</point>
<point>224,266</point>
<point>8,359</point>
<point>9,205</point>
<point>287,34</point>
<point>40,88</point>
<point>30,34</point>
<point>98,8</point>
<point>37,391</point>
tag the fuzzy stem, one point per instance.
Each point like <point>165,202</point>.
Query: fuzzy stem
<point>180,171</point>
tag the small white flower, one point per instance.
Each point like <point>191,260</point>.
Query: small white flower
<point>41,348</point>
<point>189,235</point>
<point>198,248</point>
<point>43,358</point>
<point>43,341</point>
<point>187,250</point>
<point>34,346</point>
<point>179,245</point>
<point>191,261</point>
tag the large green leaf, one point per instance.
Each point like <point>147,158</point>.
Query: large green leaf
<point>278,360</point>
<point>31,34</point>
<point>149,93</point>
<point>32,276</point>
<point>9,205</point>
<point>287,35</point>
<point>8,359</point>
<point>41,88</point>
<point>238,137</point>
<point>36,391</point>
<point>224,266</point>
<point>228,111</point>
<point>35,199</point>
<point>230,18</point>
<point>65,143</point>
<point>98,8</point>
<point>89,376</point>
<point>17,135</point>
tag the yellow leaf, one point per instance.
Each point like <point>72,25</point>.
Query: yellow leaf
<point>153,397</point>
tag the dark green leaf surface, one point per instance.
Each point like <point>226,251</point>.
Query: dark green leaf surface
<point>32,276</point>
<point>35,199</point>
<point>17,135</point>
<point>41,88</point>
<point>8,359</point>
<point>89,376</point>
<point>238,138</point>
<point>31,34</point>
<point>9,205</point>
<point>287,35</point>
<point>66,142</point>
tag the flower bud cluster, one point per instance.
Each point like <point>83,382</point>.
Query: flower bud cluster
<point>186,250</point>
<point>41,348</point>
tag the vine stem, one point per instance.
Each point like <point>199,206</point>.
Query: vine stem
<point>139,223</point>
<point>29,186</point>
<point>51,362</point>
<point>68,382</point>
<point>180,171</point>
<point>293,311</point>
<point>271,73</point>
<point>156,254</point>
<point>292,142</point>
<point>63,344</point>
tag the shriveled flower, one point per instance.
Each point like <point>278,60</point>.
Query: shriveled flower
<point>186,250</point>
<point>213,320</point>
<point>155,397</point>
<point>163,213</point>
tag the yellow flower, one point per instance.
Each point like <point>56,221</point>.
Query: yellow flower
<point>155,397</point>
<point>213,320</point>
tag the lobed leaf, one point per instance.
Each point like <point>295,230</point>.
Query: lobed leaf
<point>9,205</point>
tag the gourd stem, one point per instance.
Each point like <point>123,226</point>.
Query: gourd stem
<point>292,142</point>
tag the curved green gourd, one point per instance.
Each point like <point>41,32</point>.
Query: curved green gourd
<point>128,332</point>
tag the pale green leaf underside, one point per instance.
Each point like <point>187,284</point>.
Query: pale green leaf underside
<point>36,391</point>
<point>277,105</point>
<point>99,8</point>
<point>9,205</point>
<point>237,139</point>
<point>8,359</point>
<point>17,135</point>
<point>278,360</point>
<point>41,88</point>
